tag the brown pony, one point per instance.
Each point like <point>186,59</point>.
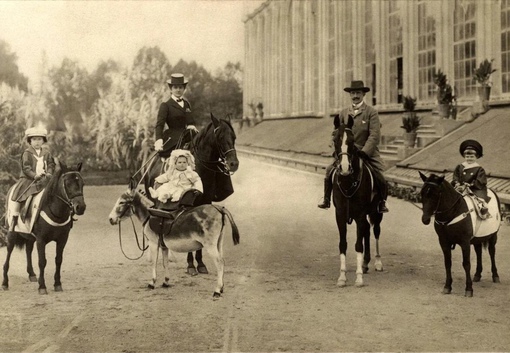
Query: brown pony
<point>61,200</point>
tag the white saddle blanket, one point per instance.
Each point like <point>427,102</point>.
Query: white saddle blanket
<point>32,214</point>
<point>489,226</point>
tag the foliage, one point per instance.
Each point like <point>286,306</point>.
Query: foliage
<point>409,103</point>
<point>444,89</point>
<point>483,73</point>
<point>410,122</point>
<point>9,71</point>
<point>150,70</point>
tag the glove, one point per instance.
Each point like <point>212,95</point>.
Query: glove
<point>38,177</point>
<point>362,154</point>
<point>192,127</point>
<point>158,145</point>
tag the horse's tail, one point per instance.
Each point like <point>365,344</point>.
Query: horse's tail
<point>235,231</point>
<point>19,241</point>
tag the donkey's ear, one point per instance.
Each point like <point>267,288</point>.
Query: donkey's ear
<point>423,176</point>
<point>132,184</point>
<point>215,121</point>
<point>336,121</point>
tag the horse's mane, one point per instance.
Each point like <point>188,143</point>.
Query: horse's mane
<point>51,188</point>
<point>202,133</point>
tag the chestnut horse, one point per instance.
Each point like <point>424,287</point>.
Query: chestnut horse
<point>61,200</point>
<point>354,199</point>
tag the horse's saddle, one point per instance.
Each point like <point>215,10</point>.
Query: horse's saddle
<point>484,226</point>
<point>28,214</point>
<point>163,216</point>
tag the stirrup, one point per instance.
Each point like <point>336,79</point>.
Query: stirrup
<point>325,204</point>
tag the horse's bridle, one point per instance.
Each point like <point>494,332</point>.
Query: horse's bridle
<point>436,212</point>
<point>68,200</point>
<point>221,163</point>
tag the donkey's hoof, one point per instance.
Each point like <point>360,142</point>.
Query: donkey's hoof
<point>150,286</point>
<point>32,278</point>
<point>165,285</point>
<point>192,271</point>
<point>468,293</point>
<point>43,291</point>
<point>216,296</point>
<point>4,287</point>
<point>477,278</point>
<point>58,289</point>
<point>447,290</point>
<point>202,269</point>
<point>495,279</point>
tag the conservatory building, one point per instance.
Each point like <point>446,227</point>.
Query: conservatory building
<point>299,55</point>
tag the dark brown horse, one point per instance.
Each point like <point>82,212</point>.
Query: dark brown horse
<point>61,200</point>
<point>354,199</point>
<point>455,223</point>
<point>216,160</point>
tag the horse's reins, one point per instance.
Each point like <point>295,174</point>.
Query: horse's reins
<point>436,212</point>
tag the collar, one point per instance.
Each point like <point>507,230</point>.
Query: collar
<point>469,166</point>
<point>357,106</point>
<point>178,100</point>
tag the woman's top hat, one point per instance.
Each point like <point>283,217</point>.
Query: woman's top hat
<point>177,79</point>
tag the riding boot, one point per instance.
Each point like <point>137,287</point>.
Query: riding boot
<point>383,192</point>
<point>13,223</point>
<point>328,188</point>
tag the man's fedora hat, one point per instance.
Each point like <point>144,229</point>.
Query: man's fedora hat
<point>357,86</point>
<point>177,79</point>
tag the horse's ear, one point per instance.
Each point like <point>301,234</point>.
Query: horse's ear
<point>215,121</point>
<point>423,176</point>
<point>350,122</point>
<point>78,166</point>
<point>58,165</point>
<point>336,121</point>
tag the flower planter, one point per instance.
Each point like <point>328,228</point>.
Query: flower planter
<point>484,92</point>
<point>409,139</point>
<point>443,110</point>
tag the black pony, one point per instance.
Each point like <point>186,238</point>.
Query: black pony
<point>455,223</point>
<point>61,199</point>
<point>215,159</point>
<point>354,199</point>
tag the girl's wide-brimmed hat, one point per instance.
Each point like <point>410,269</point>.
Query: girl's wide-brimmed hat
<point>357,86</point>
<point>36,132</point>
<point>177,79</point>
<point>471,145</point>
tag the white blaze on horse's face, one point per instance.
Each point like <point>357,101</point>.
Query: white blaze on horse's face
<point>345,164</point>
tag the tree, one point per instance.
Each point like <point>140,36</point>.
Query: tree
<point>9,71</point>
<point>150,71</point>
<point>226,93</point>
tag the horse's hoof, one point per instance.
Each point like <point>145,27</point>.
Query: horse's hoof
<point>495,280</point>
<point>192,271</point>
<point>477,278</point>
<point>468,293</point>
<point>150,286</point>
<point>447,291</point>
<point>43,291</point>
<point>359,284</point>
<point>216,296</point>
<point>4,287</point>
<point>58,289</point>
<point>32,278</point>
<point>365,270</point>
<point>165,285</point>
<point>202,269</point>
<point>341,284</point>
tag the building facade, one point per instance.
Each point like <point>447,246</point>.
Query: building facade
<point>300,54</point>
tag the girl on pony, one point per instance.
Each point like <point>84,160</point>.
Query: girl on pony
<point>179,177</point>
<point>469,177</point>
<point>37,165</point>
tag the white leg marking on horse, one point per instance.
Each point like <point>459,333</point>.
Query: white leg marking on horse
<point>359,269</point>
<point>342,280</point>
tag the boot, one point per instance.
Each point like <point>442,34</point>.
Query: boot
<point>382,207</point>
<point>383,191</point>
<point>328,188</point>
<point>13,223</point>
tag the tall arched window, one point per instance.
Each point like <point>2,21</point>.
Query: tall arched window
<point>464,47</point>
<point>426,50</point>
<point>396,60</point>
<point>505,45</point>
<point>370,50</point>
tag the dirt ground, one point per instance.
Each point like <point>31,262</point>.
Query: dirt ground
<point>280,285</point>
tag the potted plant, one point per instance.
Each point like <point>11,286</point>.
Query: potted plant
<point>481,75</point>
<point>444,94</point>
<point>410,121</point>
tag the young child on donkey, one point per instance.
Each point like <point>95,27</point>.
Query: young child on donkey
<point>469,177</point>
<point>179,177</point>
<point>37,166</point>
